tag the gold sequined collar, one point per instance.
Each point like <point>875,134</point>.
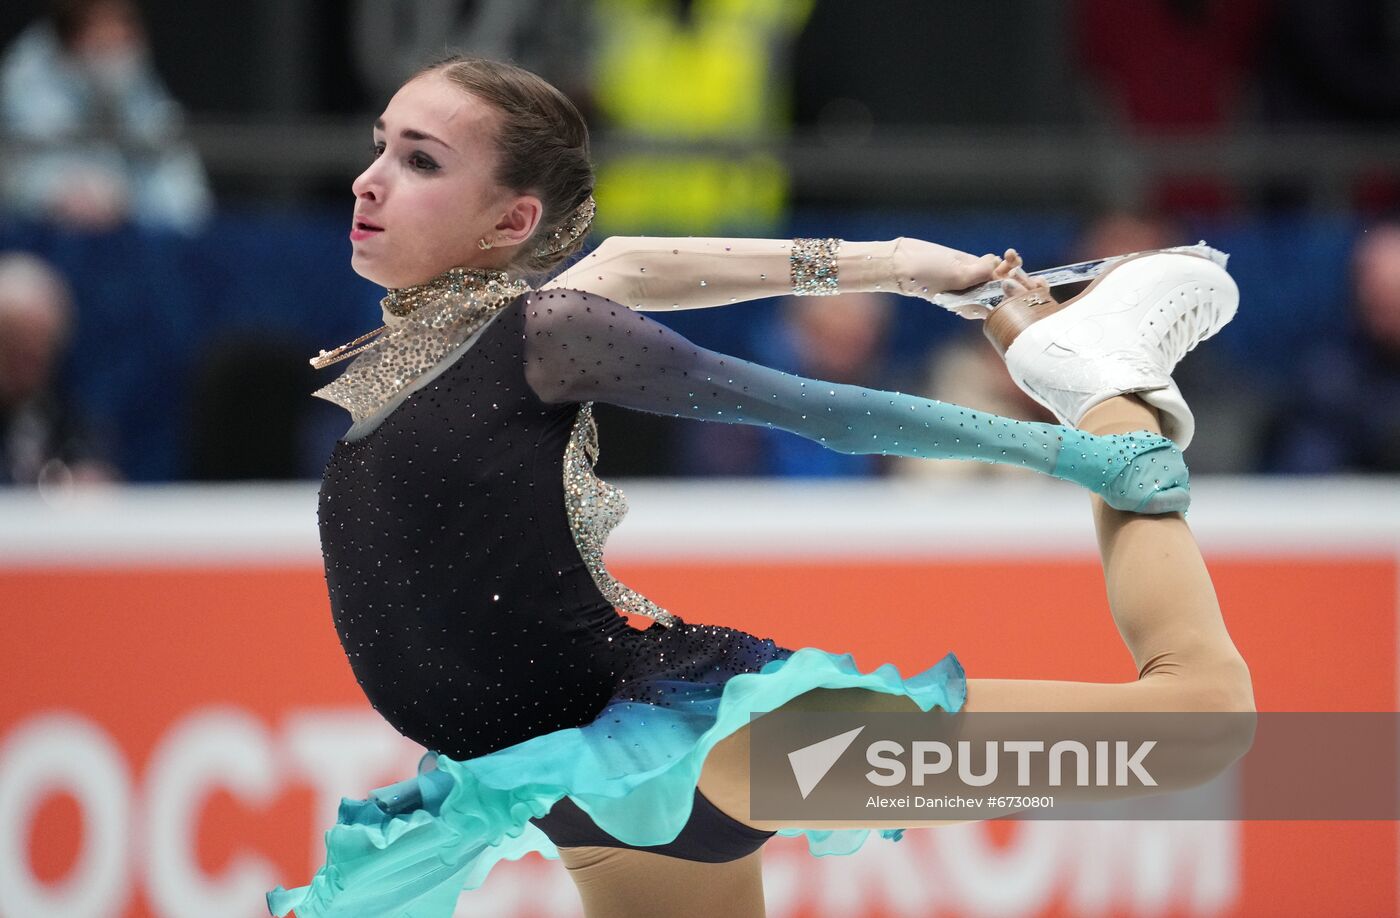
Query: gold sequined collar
<point>422,324</point>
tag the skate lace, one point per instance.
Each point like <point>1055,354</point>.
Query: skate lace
<point>1175,328</point>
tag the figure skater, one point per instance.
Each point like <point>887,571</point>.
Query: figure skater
<point>463,528</point>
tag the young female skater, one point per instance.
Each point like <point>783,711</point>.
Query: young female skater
<point>463,528</point>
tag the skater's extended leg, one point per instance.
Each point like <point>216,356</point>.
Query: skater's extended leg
<point>1165,608</point>
<point>1164,605</point>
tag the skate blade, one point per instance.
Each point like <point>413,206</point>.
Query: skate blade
<point>976,302</point>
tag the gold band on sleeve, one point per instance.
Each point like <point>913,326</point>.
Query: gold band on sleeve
<point>814,267</point>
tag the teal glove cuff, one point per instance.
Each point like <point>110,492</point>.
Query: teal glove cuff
<point>1141,472</point>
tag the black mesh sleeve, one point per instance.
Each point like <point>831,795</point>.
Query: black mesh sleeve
<point>580,347</point>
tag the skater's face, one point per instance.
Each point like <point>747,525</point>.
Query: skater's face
<point>429,195</point>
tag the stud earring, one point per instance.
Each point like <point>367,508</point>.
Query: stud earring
<point>484,244</point>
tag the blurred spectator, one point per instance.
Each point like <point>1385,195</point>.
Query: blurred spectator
<point>1168,65</point>
<point>42,440</point>
<point>1171,66</point>
<point>1125,232</point>
<point>95,134</point>
<point>840,339</point>
<point>1345,411</point>
<point>968,371</point>
<point>693,72</point>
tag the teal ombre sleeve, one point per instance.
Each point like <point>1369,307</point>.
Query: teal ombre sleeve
<point>580,347</point>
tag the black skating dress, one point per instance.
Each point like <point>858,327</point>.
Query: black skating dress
<point>463,539</point>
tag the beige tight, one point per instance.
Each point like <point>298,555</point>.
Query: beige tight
<point>1165,607</point>
<point>623,883</point>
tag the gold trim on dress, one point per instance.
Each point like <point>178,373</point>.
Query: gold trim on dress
<point>595,508</point>
<point>430,319</point>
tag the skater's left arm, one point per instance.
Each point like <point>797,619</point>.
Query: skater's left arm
<point>579,347</point>
<point>657,273</point>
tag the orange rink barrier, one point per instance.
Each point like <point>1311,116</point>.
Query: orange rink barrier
<point>178,723</point>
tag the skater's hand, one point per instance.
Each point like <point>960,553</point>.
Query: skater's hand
<point>1150,477</point>
<point>1014,279</point>
<point>1140,472</point>
<point>926,269</point>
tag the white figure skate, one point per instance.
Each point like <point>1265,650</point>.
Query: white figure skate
<point>1125,333</point>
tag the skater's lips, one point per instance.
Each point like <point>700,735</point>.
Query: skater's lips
<point>363,229</point>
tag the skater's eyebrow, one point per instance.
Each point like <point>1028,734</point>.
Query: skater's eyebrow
<point>411,134</point>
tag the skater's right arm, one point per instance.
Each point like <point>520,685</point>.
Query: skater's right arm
<point>659,273</point>
<point>580,347</point>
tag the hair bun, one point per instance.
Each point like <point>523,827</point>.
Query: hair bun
<point>571,229</point>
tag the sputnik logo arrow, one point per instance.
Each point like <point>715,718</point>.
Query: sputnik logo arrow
<point>811,763</point>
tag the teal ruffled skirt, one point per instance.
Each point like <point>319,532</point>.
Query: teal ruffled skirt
<point>413,847</point>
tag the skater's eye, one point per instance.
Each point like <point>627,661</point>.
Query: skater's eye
<point>417,159</point>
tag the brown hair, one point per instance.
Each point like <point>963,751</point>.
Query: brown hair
<point>542,142</point>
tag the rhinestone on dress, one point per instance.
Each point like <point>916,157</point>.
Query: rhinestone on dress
<point>434,317</point>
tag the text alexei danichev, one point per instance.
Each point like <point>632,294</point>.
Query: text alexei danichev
<point>957,802</point>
